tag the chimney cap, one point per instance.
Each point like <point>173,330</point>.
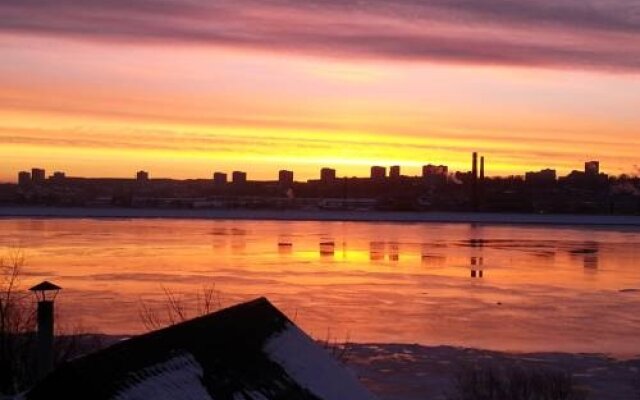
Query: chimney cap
<point>46,291</point>
<point>45,286</point>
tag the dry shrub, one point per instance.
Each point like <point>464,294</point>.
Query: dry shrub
<point>513,382</point>
<point>176,308</point>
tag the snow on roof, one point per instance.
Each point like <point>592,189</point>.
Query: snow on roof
<point>180,377</point>
<point>312,367</point>
<point>247,352</point>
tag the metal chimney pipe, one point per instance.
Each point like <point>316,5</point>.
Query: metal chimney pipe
<point>45,338</point>
<point>46,293</point>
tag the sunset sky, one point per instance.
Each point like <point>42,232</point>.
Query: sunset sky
<point>183,88</point>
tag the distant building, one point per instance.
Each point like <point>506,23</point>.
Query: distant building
<point>592,168</point>
<point>142,176</point>
<point>38,175</point>
<point>394,172</point>
<point>589,177</point>
<point>285,177</point>
<point>24,178</point>
<point>435,174</point>
<point>58,176</point>
<point>543,177</point>
<point>327,175</point>
<point>239,177</point>
<point>219,178</point>
<point>378,173</point>
<point>434,170</point>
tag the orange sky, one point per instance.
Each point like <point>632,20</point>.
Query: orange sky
<point>97,106</point>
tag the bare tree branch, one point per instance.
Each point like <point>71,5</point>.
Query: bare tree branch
<point>179,307</point>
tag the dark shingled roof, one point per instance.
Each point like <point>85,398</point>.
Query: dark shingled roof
<point>227,346</point>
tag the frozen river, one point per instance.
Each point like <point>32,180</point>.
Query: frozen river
<point>522,288</point>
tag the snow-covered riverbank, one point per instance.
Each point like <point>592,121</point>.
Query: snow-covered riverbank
<point>414,372</point>
<point>321,215</point>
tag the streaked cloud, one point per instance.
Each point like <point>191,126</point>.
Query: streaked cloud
<point>591,34</point>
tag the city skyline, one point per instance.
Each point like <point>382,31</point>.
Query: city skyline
<point>327,173</point>
<point>171,88</point>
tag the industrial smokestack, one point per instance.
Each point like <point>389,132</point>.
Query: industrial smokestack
<point>474,166</point>
<point>474,182</point>
<point>482,168</point>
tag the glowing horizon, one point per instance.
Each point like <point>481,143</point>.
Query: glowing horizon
<point>262,87</point>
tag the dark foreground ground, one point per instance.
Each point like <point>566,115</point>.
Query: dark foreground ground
<point>412,372</point>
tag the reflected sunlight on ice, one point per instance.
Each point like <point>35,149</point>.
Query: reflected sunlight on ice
<point>497,287</point>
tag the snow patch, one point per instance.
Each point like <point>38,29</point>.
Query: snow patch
<point>178,378</point>
<point>312,367</point>
<point>249,396</point>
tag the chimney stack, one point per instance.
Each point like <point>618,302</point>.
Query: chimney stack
<point>46,293</point>
<point>474,166</point>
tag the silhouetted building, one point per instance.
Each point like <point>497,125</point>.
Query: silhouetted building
<point>433,170</point>
<point>38,175</point>
<point>435,174</point>
<point>219,178</point>
<point>58,176</point>
<point>327,175</point>
<point>24,178</point>
<point>285,178</point>
<point>592,168</point>
<point>239,177</point>
<point>544,177</point>
<point>142,176</point>
<point>378,173</point>
<point>394,172</point>
<point>589,178</point>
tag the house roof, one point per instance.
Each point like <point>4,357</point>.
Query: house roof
<point>247,352</point>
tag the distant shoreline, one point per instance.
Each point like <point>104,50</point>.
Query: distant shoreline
<point>320,215</point>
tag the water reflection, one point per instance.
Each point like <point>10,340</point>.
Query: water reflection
<point>377,251</point>
<point>238,245</point>
<point>477,267</point>
<point>589,254</point>
<point>433,260</point>
<point>394,252</point>
<point>416,277</point>
<point>327,248</point>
